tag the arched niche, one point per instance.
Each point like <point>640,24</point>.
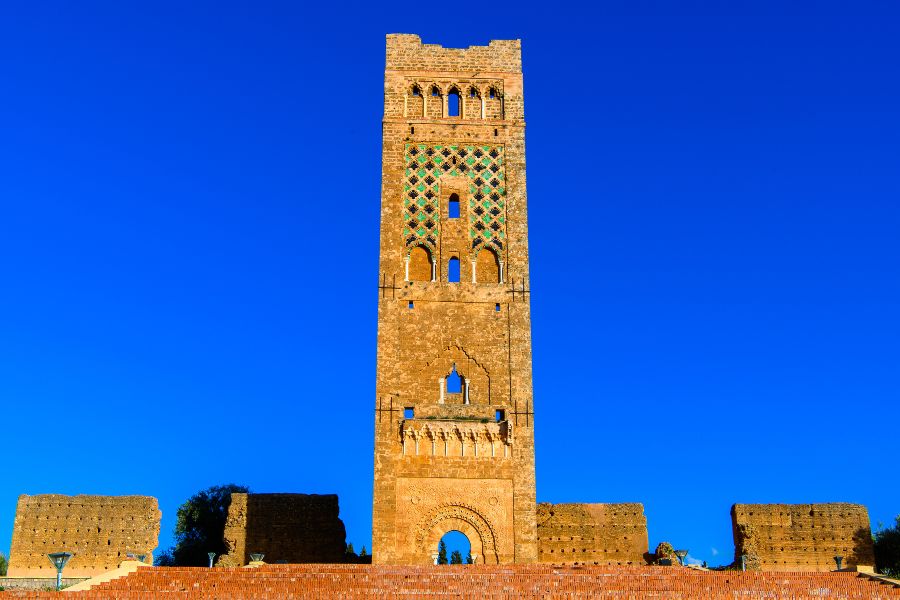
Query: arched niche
<point>487,266</point>
<point>420,264</point>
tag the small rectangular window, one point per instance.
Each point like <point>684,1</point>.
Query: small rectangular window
<point>500,415</point>
<point>453,270</point>
<point>409,412</point>
<point>412,306</point>
<point>496,307</point>
<point>453,208</point>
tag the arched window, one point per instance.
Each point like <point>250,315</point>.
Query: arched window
<point>453,270</point>
<point>419,264</point>
<point>453,206</point>
<point>415,103</point>
<point>434,103</point>
<point>454,382</point>
<point>493,105</point>
<point>487,267</point>
<point>472,104</point>
<point>453,103</point>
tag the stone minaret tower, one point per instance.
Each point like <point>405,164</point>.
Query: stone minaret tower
<point>454,423</point>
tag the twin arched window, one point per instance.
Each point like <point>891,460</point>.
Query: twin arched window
<point>421,266</point>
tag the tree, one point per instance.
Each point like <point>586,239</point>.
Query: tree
<point>363,552</point>
<point>350,554</point>
<point>442,553</point>
<point>200,527</point>
<point>469,559</point>
<point>456,558</point>
<point>887,550</point>
<point>4,564</point>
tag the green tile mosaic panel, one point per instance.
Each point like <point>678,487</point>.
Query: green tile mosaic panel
<point>482,164</point>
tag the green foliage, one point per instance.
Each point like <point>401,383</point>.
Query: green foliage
<point>887,550</point>
<point>456,558</point>
<point>200,527</point>
<point>4,564</point>
<point>350,553</point>
<point>363,552</point>
<point>469,560</point>
<point>442,553</point>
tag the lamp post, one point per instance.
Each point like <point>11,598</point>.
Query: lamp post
<point>681,554</point>
<point>59,560</point>
<point>743,562</point>
<point>211,556</point>
<point>838,559</point>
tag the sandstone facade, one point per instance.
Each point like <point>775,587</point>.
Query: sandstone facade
<point>801,537</point>
<point>293,528</point>
<point>593,534</point>
<point>454,442</point>
<point>100,531</point>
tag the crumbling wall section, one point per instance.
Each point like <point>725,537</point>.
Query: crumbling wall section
<point>407,52</point>
<point>291,528</point>
<point>801,537</point>
<point>99,531</point>
<point>601,534</point>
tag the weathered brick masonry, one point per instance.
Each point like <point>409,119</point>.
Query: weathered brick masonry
<point>294,528</point>
<point>450,458</point>
<point>98,530</point>
<point>801,537</point>
<point>602,534</point>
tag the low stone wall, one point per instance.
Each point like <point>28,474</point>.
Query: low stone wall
<point>801,537</point>
<point>36,583</point>
<point>602,534</point>
<point>294,528</point>
<point>99,531</point>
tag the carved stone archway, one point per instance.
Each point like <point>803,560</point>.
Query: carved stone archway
<point>460,518</point>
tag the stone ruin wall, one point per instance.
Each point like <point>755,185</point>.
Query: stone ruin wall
<point>293,528</point>
<point>604,534</point>
<point>100,531</point>
<point>801,537</point>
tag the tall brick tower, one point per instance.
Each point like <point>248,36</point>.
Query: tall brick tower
<point>454,425</point>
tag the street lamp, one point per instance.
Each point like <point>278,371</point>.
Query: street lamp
<point>59,560</point>
<point>681,554</point>
<point>211,556</point>
<point>838,560</point>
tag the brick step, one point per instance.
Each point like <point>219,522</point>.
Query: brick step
<point>271,582</point>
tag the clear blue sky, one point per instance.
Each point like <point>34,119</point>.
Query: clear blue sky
<point>189,250</point>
